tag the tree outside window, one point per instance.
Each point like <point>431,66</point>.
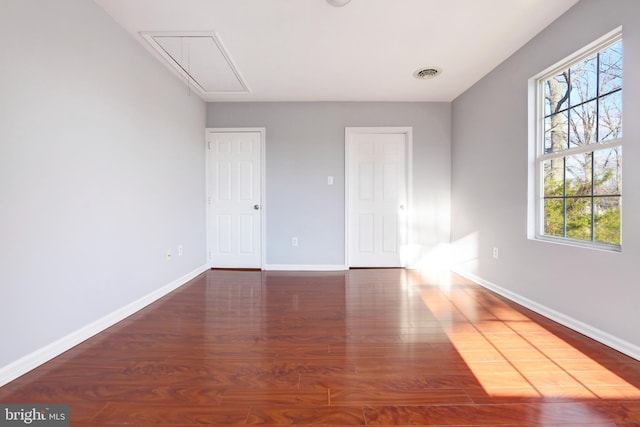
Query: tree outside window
<point>580,155</point>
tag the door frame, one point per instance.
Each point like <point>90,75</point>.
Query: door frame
<point>408,133</point>
<point>263,202</point>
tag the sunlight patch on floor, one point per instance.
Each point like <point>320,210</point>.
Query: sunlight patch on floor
<point>512,355</point>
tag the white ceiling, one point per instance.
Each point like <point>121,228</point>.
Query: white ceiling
<point>368,50</point>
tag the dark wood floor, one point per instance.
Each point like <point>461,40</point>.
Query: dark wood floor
<point>363,347</point>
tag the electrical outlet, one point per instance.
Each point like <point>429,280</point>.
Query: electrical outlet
<point>168,255</point>
<point>294,241</point>
<point>495,253</point>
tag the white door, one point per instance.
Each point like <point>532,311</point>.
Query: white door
<point>376,198</point>
<point>235,199</point>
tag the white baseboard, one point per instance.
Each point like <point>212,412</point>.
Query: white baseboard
<point>305,267</point>
<point>605,338</point>
<point>33,360</point>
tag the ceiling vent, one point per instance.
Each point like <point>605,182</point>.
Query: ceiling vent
<point>338,3</point>
<point>427,73</point>
<point>200,59</point>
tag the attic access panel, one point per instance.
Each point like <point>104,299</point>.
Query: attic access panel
<point>201,59</point>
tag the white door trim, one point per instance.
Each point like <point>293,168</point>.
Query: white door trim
<point>408,132</point>
<point>263,205</point>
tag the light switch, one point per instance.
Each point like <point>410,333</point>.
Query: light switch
<point>330,180</point>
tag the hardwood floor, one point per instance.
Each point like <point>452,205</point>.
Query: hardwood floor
<point>362,347</point>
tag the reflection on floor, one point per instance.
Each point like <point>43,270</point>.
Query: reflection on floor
<point>361,347</point>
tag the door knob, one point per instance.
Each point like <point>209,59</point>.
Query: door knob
<point>256,207</point>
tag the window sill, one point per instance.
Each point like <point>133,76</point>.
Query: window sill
<point>608,247</point>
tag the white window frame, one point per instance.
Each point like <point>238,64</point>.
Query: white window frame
<point>537,156</point>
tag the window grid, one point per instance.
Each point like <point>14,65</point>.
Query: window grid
<point>547,153</point>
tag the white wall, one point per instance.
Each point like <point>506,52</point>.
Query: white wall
<point>101,171</point>
<point>594,290</point>
<point>305,144</point>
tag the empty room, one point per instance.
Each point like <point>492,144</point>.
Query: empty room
<point>319,212</point>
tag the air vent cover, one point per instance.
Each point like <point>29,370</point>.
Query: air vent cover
<point>427,73</point>
<point>200,58</point>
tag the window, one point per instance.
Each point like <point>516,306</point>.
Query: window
<point>579,148</point>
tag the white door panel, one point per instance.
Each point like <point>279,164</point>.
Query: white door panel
<point>235,211</point>
<point>377,197</point>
